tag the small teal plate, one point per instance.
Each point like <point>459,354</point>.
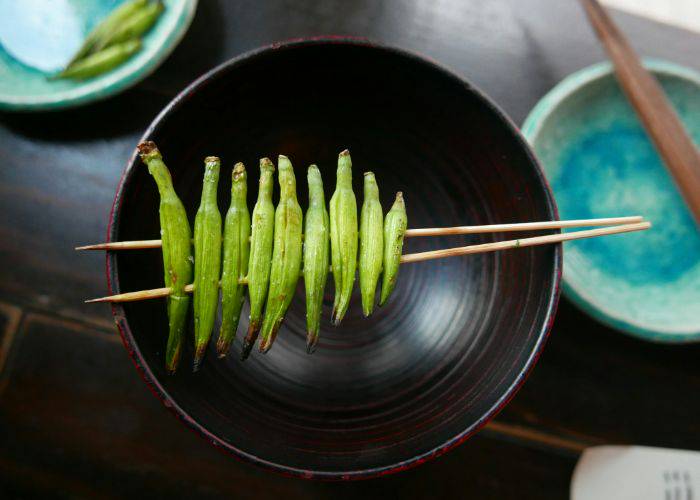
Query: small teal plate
<point>38,37</point>
<point>601,164</point>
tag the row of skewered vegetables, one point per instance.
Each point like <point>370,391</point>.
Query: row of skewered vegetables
<point>265,254</point>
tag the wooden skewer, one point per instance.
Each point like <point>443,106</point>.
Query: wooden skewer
<point>653,108</point>
<point>123,245</point>
<point>428,231</point>
<point>522,226</point>
<point>524,242</point>
<point>435,254</point>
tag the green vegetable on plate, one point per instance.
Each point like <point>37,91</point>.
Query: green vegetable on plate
<point>101,62</point>
<point>114,40</point>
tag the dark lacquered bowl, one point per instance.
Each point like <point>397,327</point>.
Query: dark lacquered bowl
<point>457,337</point>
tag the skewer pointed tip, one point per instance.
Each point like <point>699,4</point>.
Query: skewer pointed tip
<point>96,246</point>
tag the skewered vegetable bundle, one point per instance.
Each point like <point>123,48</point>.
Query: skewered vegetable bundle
<point>267,255</point>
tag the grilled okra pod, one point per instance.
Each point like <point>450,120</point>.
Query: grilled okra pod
<point>394,230</point>
<point>371,243</point>
<point>236,254</point>
<point>106,27</point>
<point>207,259</point>
<point>260,253</point>
<point>177,251</point>
<point>286,255</point>
<point>316,252</point>
<point>102,61</point>
<point>343,221</point>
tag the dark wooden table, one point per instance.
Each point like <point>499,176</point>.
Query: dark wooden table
<point>75,418</point>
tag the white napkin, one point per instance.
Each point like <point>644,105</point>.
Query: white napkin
<point>636,473</point>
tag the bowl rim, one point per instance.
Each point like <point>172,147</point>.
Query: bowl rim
<point>159,390</point>
<point>110,83</point>
<point>532,126</point>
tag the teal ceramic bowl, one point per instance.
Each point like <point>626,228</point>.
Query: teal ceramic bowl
<point>37,37</point>
<point>600,163</point>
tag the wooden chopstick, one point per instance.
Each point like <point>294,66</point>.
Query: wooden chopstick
<point>653,108</point>
<point>435,254</point>
<point>428,231</point>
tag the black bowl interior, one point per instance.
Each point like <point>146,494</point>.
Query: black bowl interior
<point>458,335</point>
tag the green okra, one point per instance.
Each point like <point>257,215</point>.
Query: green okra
<point>102,61</point>
<point>136,25</point>
<point>236,254</point>
<point>207,259</point>
<point>371,243</point>
<point>260,253</point>
<point>286,255</point>
<point>343,222</point>
<point>177,251</point>
<point>394,229</point>
<point>316,253</point>
<point>107,26</point>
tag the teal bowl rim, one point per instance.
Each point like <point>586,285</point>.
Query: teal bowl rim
<point>532,126</point>
<point>59,101</point>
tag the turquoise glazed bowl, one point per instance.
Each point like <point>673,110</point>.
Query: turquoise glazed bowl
<point>38,37</point>
<point>600,164</point>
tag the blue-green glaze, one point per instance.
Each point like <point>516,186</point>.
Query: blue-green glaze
<point>601,164</point>
<point>59,27</point>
